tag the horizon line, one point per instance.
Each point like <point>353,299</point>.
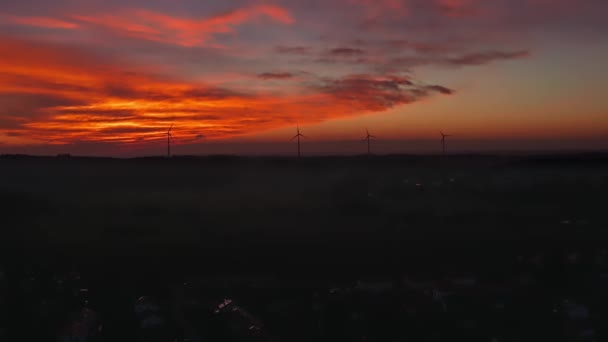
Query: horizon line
<point>514,153</point>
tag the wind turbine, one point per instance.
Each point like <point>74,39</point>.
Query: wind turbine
<point>169,139</point>
<point>298,135</point>
<point>443,136</point>
<point>368,138</point>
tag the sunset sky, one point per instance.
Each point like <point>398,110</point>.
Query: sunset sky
<point>108,77</point>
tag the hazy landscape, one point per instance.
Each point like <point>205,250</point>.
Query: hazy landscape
<point>302,171</point>
<point>508,238</point>
<point>253,210</point>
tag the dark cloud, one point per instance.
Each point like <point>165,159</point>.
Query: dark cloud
<point>129,92</point>
<point>471,59</point>
<point>36,82</point>
<point>386,56</point>
<point>420,47</point>
<point>211,93</point>
<point>440,89</point>
<point>17,108</point>
<point>19,101</point>
<point>326,60</point>
<point>377,93</point>
<point>346,52</point>
<point>411,61</point>
<point>100,115</point>
<point>486,57</point>
<point>276,75</point>
<point>333,60</point>
<point>120,130</point>
<point>250,121</point>
<point>296,50</point>
<point>109,115</point>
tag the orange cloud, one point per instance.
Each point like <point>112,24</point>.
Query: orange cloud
<point>58,95</point>
<point>149,25</point>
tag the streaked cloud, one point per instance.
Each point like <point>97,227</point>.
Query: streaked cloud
<point>486,57</point>
<point>276,75</point>
<point>160,27</point>
<point>373,93</point>
<point>298,50</point>
<point>105,103</point>
<point>120,71</point>
<point>346,51</point>
<point>43,22</point>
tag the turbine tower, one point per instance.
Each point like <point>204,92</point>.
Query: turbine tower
<point>169,138</point>
<point>298,135</point>
<point>443,136</point>
<point>369,137</point>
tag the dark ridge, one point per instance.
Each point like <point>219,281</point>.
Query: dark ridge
<point>592,158</point>
<point>367,161</point>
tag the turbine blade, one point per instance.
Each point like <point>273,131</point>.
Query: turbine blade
<point>371,136</point>
<point>293,138</point>
<point>170,128</point>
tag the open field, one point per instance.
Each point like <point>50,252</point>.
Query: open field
<point>266,211</point>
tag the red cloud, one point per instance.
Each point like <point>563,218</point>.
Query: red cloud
<point>241,15</point>
<point>458,8</point>
<point>154,26</point>
<point>149,25</point>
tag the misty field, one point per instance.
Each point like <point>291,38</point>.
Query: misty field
<point>278,207</point>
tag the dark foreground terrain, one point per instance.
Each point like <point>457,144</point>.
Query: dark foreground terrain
<point>352,248</point>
